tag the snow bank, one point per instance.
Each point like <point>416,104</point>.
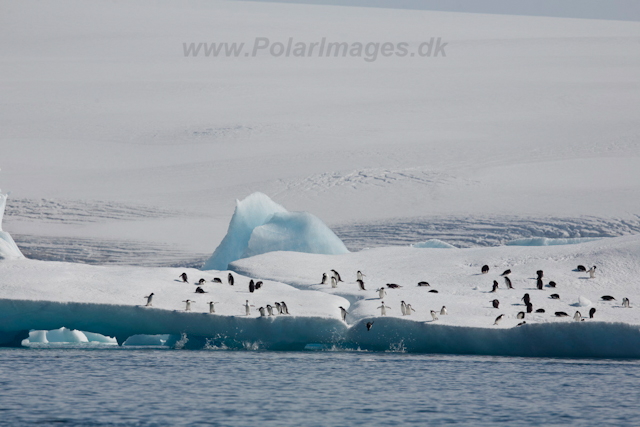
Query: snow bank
<point>8,248</point>
<point>260,225</point>
<point>433,243</point>
<point>544,241</point>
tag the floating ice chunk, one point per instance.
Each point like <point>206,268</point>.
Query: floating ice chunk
<point>100,339</point>
<point>66,336</point>
<point>545,241</point>
<point>8,248</point>
<point>260,225</point>
<point>433,243</point>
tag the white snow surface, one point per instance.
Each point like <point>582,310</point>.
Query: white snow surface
<point>8,248</point>
<point>259,225</point>
<point>545,241</point>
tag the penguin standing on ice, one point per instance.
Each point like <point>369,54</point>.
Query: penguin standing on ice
<point>529,308</point>
<point>403,308</point>
<point>270,309</point>
<point>383,309</point>
<point>434,315</point>
<point>278,307</point>
<point>337,276</point>
<point>495,286</point>
<point>334,282</point>
<point>230,279</point>
<point>520,315</point>
<point>496,303</point>
<point>626,303</point>
<point>498,319</point>
<point>188,305</point>
<point>283,306</point>
<point>343,313</point>
<point>324,279</point>
<point>443,311</point>
<point>381,293</point>
<point>361,285</point>
<point>262,312</point>
<point>360,275</point>
<point>252,286</point>
<point>247,308</point>
<point>539,284</point>
<point>212,307</point>
<point>592,312</point>
<point>526,298</point>
<point>258,284</point>
<point>485,269</point>
<point>149,299</point>
<point>592,272</point>
<point>507,281</point>
<point>408,309</point>
<point>577,317</point>
<point>183,276</point>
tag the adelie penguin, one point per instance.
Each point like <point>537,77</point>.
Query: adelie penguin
<point>393,286</point>
<point>199,290</point>
<point>183,276</point>
<point>252,286</point>
<point>529,308</point>
<point>361,285</point>
<point>369,325</point>
<point>216,280</point>
<point>507,281</point>
<point>262,311</point>
<point>526,298</point>
<point>258,284</point>
<point>188,305</point>
<point>270,309</point>
<point>520,315</point>
<point>149,299</point>
<point>403,308</point>
<point>230,279</point>
<point>608,298</point>
<point>485,269</point>
<point>443,311</point>
<point>552,284</point>
<point>561,314</point>
<point>498,319</point>
<point>409,309</point>
<point>383,309</point>
<point>201,282</point>
<point>423,284</point>
<point>592,272</point>
<point>506,273</point>
<point>592,312</point>
<point>278,307</point>
<point>540,273</point>
<point>433,291</point>
<point>336,275</point>
<point>495,303</point>
<point>577,317</point>
<point>540,310</point>
<point>325,278</point>
<point>434,315</point>
<point>539,284</point>
<point>626,303</point>
<point>581,268</point>
<point>554,296</point>
<point>360,275</point>
<point>284,308</point>
<point>212,307</point>
<point>247,308</point>
<point>495,286</point>
<point>381,293</point>
<point>334,282</point>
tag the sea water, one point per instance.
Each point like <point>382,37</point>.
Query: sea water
<point>120,386</point>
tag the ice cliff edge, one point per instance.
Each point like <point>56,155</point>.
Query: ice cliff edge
<point>8,248</point>
<point>260,225</point>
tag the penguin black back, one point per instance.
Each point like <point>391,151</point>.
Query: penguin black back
<point>485,269</point>
<point>592,312</point>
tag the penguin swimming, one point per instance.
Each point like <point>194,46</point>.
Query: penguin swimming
<point>360,275</point>
<point>581,268</point>
<point>498,319</point>
<point>423,284</point>
<point>495,303</point>
<point>552,284</point>
<point>592,272</point>
<point>199,290</point>
<point>403,308</point>
<point>361,284</point>
<point>212,306</point>
<point>608,298</point>
<point>252,286</point>
<point>230,279</point>
<point>577,317</point>
<point>485,269</point>
<point>520,315</point>
<point>409,309</point>
<point>540,310</point>
<point>506,273</point>
<point>383,309</point>
<point>343,313</point>
<point>529,308</point>
<point>443,311</point>
<point>283,306</point>
<point>262,311</point>
<point>554,296</point>
<point>561,314</point>
<point>334,282</point>
<point>149,299</point>
<point>369,325</point>
<point>495,286</point>
<point>337,276</point>
<point>393,286</point>
<point>592,312</point>
<point>258,284</point>
<point>270,309</point>
<point>539,284</point>
<point>188,306</point>
<point>183,276</point>
<point>433,291</point>
<point>247,308</point>
<point>434,315</point>
<point>201,282</point>
<point>381,293</point>
<point>526,298</point>
<point>507,281</point>
<point>625,303</point>
<point>216,280</point>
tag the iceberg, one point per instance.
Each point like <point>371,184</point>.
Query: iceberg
<point>545,241</point>
<point>433,243</point>
<point>65,336</point>
<point>259,225</point>
<point>8,248</point>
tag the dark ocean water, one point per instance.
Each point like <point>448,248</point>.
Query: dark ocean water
<point>119,386</point>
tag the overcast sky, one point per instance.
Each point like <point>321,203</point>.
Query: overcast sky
<point>628,10</point>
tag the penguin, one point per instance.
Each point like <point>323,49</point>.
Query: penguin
<point>258,284</point>
<point>608,298</point>
<point>524,322</point>
<point>216,280</point>
<point>149,299</point>
<point>433,291</point>
<point>369,325</point>
<point>577,317</point>
<point>188,306</point>
<point>495,286</point>
<point>361,284</point>
<point>334,282</point>
<point>561,314</point>
<point>540,273</point>
<point>278,307</point>
<point>498,319</point>
<point>495,303</point>
<point>285,309</point>
<point>199,290</point>
<point>485,269</point>
<point>520,315</point>
<point>592,312</point>
<point>592,272</point>
<point>230,279</point>
<point>383,309</point>
<point>262,311</point>
<point>506,273</point>
<point>360,275</point>
<point>381,293</point>
<point>270,309</point>
<point>403,308</point>
<point>508,282</point>
<point>529,308</point>
<point>393,286</point>
<point>343,313</point>
<point>409,309</point>
<point>434,315</point>
<point>581,268</point>
<point>554,296</point>
<point>552,284</point>
<point>540,310</point>
<point>539,284</point>
<point>324,279</point>
<point>183,276</point>
<point>212,306</point>
<point>443,311</point>
<point>201,282</point>
<point>247,308</point>
<point>423,284</point>
<point>526,298</point>
<point>252,286</point>
<point>626,303</point>
<point>337,276</point>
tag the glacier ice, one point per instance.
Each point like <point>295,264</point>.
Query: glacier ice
<point>433,243</point>
<point>65,336</point>
<point>8,248</point>
<point>545,241</point>
<point>260,225</point>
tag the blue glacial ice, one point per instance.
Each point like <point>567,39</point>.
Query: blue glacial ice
<point>260,225</point>
<point>8,248</point>
<point>545,241</point>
